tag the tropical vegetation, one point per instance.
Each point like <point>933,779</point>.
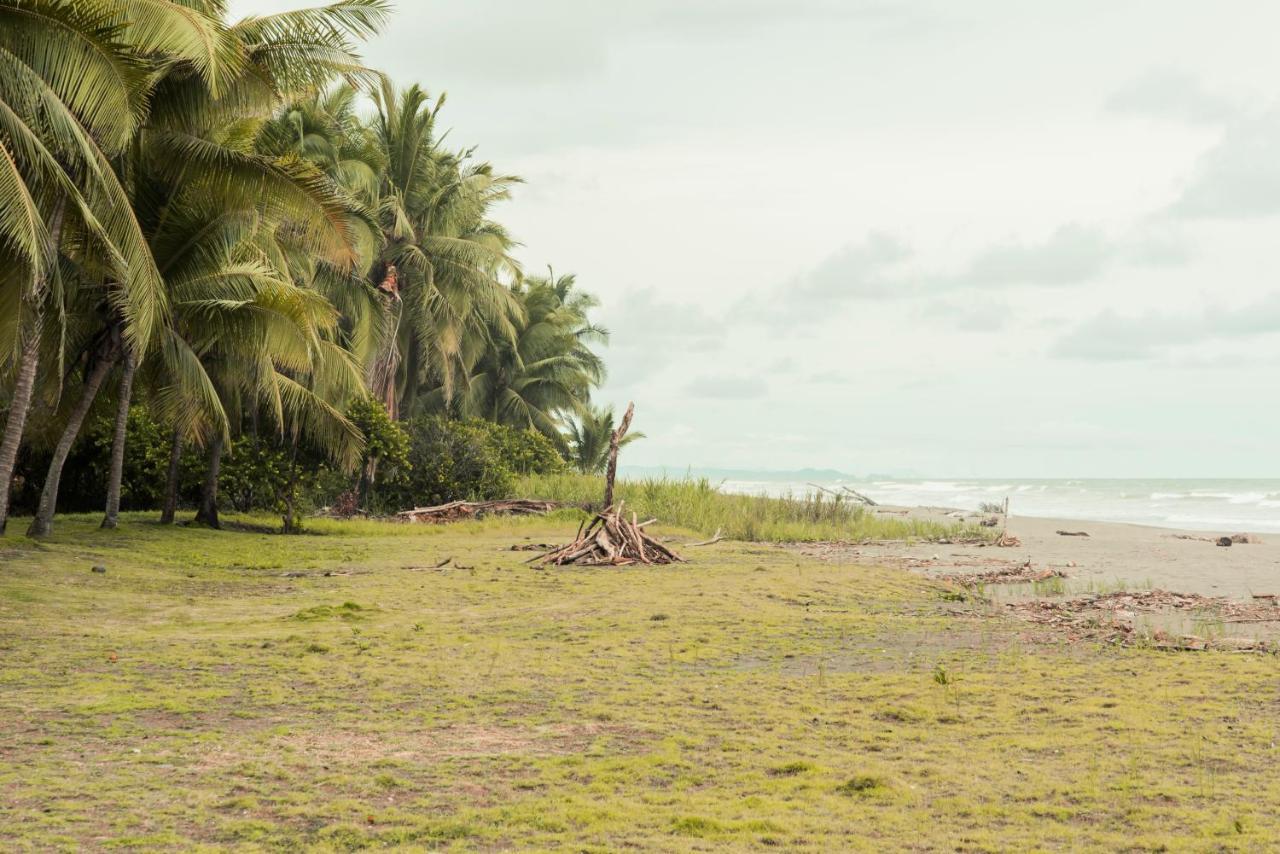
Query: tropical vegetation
<point>235,256</point>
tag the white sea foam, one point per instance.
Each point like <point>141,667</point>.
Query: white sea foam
<point>1194,504</point>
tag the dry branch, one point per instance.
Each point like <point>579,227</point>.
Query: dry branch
<point>456,511</point>
<point>715,539</point>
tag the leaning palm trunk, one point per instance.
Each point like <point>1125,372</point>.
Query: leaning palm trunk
<point>25,383</point>
<point>117,441</point>
<point>16,423</point>
<point>171,480</point>
<point>208,512</point>
<point>42,524</point>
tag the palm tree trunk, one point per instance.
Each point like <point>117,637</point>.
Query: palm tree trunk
<point>291,525</point>
<point>25,383</point>
<point>42,524</point>
<point>171,481</point>
<point>17,420</point>
<point>117,441</point>
<point>208,512</point>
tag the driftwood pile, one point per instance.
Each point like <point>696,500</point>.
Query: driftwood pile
<point>610,540</point>
<point>456,511</point>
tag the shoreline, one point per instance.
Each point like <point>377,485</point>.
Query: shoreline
<point>1120,554</point>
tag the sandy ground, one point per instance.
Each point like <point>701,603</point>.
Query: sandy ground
<point>1139,557</point>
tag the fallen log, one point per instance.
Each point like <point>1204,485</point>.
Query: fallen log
<point>610,539</point>
<point>456,511</point>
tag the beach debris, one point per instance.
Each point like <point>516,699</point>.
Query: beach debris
<point>990,522</point>
<point>610,540</point>
<point>717,537</point>
<point>1024,573</point>
<point>1112,618</point>
<point>1005,541</point>
<point>456,511</point>
<point>1073,533</point>
<point>845,491</point>
<point>1234,539</point>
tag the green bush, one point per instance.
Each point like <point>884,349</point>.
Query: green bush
<point>525,451</point>
<point>470,460</point>
<point>84,477</point>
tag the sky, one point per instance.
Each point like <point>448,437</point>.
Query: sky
<point>980,239</point>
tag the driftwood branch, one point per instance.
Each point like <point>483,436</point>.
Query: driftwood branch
<point>858,496</point>
<point>456,511</point>
<point>715,539</point>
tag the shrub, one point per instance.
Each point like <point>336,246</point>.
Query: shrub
<point>525,451</point>
<point>447,461</point>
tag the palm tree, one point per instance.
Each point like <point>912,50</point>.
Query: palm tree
<point>445,265</point>
<point>196,144</point>
<point>72,91</point>
<point>545,375</point>
<point>589,436</point>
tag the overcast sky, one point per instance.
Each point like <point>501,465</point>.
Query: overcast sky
<point>992,238</point>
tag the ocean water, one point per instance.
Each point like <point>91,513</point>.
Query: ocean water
<point>1226,506</point>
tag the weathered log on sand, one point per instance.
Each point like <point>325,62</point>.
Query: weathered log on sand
<point>456,511</point>
<point>610,540</point>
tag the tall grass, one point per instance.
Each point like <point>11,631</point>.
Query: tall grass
<point>697,504</point>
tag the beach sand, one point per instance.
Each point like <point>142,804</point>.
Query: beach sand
<point>1136,557</point>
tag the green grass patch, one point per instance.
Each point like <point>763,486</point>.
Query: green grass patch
<point>697,504</point>
<point>173,703</point>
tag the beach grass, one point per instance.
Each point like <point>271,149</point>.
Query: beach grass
<point>699,505</point>
<point>246,691</point>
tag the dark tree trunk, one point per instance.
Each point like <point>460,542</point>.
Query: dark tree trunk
<point>42,524</point>
<point>171,481</point>
<point>23,388</point>
<point>208,512</point>
<point>291,524</point>
<point>25,382</point>
<point>111,518</point>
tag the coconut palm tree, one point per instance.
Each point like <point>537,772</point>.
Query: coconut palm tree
<point>546,374</point>
<point>72,93</point>
<point>197,143</point>
<point>588,437</point>
<point>445,265</point>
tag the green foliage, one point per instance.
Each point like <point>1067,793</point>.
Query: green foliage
<point>255,475</point>
<point>524,451</point>
<point>472,460</point>
<point>146,465</point>
<point>385,441</point>
<point>208,194</point>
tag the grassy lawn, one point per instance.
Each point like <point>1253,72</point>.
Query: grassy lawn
<point>224,690</point>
